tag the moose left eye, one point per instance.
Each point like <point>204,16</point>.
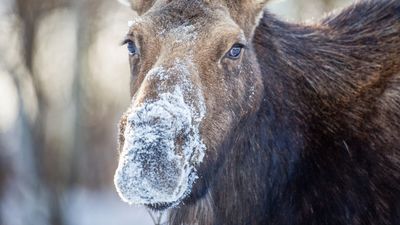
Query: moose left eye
<point>131,47</point>
<point>235,51</point>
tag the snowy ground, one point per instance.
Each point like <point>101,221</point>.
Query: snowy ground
<point>80,207</point>
<point>84,207</point>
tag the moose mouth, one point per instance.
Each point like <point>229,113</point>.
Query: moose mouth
<point>162,145</point>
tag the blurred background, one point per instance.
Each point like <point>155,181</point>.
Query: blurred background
<point>63,85</point>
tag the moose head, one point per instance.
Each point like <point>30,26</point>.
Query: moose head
<point>194,78</point>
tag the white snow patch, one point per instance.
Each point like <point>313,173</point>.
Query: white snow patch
<point>157,72</point>
<point>134,22</point>
<point>153,168</point>
<point>252,92</point>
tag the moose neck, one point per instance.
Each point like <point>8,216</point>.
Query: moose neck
<point>259,159</point>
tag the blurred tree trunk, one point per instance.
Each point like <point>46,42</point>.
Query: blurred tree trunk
<point>51,175</point>
<point>30,13</point>
<point>86,11</point>
<point>78,150</point>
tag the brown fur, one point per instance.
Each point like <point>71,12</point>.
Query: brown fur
<point>305,131</point>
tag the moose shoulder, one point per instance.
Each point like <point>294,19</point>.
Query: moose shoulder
<point>242,119</point>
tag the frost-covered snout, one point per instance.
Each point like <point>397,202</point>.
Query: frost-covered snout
<point>162,143</point>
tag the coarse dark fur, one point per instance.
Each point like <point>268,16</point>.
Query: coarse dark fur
<point>324,147</point>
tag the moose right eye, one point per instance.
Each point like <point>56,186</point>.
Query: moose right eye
<point>235,51</point>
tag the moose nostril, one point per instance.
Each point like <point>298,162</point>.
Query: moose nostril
<point>154,121</point>
<point>179,142</point>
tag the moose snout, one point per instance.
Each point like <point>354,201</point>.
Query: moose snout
<point>149,169</point>
<point>161,140</point>
<point>152,163</point>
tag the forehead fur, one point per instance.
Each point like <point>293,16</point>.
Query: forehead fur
<point>141,6</point>
<point>174,13</point>
<point>195,17</point>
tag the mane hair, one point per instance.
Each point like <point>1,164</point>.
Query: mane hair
<point>324,146</point>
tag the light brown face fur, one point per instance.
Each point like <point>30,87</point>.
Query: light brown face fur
<point>187,93</point>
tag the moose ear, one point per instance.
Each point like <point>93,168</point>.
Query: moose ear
<point>258,5</point>
<point>140,6</point>
<point>246,12</point>
<point>247,7</point>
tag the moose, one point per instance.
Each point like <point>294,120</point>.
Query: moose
<point>238,117</point>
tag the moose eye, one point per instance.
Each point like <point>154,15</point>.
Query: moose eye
<point>234,52</point>
<point>131,47</point>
